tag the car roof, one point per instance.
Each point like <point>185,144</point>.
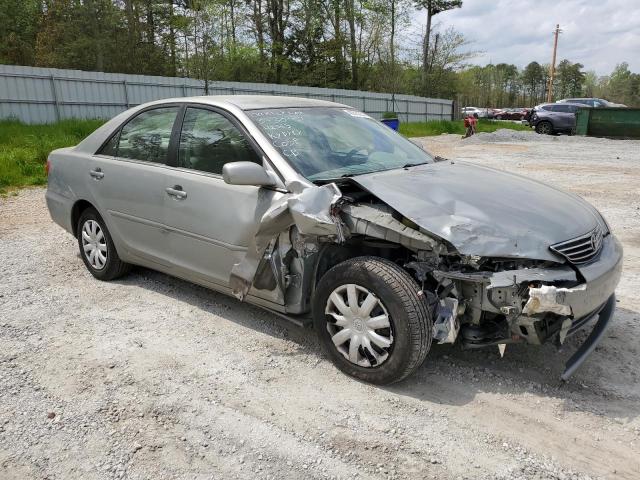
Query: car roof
<point>581,105</point>
<point>569,100</point>
<point>254,102</point>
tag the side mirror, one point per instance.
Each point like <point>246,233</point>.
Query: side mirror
<point>247,173</point>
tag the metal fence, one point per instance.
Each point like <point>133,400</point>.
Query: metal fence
<point>45,95</point>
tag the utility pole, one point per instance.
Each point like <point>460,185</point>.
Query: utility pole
<point>552,67</point>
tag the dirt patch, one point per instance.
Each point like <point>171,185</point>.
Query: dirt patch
<point>152,377</point>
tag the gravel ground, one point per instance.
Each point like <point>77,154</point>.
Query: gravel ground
<point>152,377</point>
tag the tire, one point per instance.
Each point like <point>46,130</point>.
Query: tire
<point>408,318</point>
<point>544,128</point>
<point>92,232</point>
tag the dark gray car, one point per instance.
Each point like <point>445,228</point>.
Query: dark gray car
<point>323,215</point>
<point>550,118</point>
<point>592,102</point>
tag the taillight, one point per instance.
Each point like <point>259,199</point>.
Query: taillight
<point>47,167</point>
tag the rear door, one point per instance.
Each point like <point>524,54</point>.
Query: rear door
<point>211,222</point>
<point>563,118</point>
<point>127,179</point>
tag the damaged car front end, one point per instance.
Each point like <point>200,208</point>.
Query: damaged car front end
<point>498,258</point>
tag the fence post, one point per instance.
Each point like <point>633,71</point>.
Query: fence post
<point>126,94</point>
<point>55,97</point>
<point>184,89</point>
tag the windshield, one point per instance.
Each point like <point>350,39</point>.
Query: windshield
<point>329,143</point>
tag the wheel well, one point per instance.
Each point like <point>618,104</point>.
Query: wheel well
<point>79,207</point>
<point>332,255</point>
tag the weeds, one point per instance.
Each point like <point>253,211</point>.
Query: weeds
<point>24,148</point>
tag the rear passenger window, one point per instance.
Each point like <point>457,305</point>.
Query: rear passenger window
<point>146,136</point>
<point>209,140</point>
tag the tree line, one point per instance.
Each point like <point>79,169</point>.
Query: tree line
<point>357,44</point>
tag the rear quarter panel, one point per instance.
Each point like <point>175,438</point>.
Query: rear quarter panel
<point>67,184</point>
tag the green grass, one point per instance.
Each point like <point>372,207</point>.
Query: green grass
<point>438,127</point>
<point>24,148</point>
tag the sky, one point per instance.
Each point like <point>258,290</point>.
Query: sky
<point>597,33</point>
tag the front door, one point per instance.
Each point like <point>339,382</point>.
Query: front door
<point>211,222</point>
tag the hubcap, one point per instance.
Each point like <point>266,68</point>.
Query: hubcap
<point>359,325</point>
<point>94,244</point>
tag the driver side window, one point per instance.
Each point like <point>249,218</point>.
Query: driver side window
<point>208,140</point>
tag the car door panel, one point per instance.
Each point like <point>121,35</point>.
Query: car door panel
<point>212,223</point>
<point>131,195</point>
<point>127,178</point>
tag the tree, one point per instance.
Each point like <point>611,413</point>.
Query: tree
<point>432,8</point>
<point>19,21</point>
<point>569,79</point>
<point>533,81</point>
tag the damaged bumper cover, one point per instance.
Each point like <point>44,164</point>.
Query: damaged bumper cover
<point>540,303</point>
<point>597,283</point>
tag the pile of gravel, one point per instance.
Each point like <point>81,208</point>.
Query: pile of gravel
<point>506,135</point>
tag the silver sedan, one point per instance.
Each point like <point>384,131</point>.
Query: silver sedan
<point>321,214</point>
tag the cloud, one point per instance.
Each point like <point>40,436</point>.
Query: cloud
<point>597,33</point>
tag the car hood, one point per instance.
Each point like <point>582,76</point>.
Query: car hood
<point>483,211</point>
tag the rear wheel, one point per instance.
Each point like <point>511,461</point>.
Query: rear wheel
<point>371,320</point>
<point>544,128</point>
<point>96,247</point>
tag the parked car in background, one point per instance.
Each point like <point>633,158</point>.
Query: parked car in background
<point>511,114</point>
<point>320,213</point>
<point>550,118</point>
<point>474,111</point>
<point>592,102</point>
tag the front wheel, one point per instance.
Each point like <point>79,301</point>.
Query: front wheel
<point>371,320</point>
<point>544,128</point>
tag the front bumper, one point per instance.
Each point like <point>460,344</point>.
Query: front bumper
<point>605,316</point>
<point>593,297</point>
<point>589,285</point>
<point>557,301</point>
<point>601,278</point>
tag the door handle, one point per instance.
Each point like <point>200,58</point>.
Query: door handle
<point>97,173</point>
<point>176,191</point>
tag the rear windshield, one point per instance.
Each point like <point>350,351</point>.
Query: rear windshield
<point>329,143</point>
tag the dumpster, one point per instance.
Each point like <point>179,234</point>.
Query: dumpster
<point>608,122</point>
